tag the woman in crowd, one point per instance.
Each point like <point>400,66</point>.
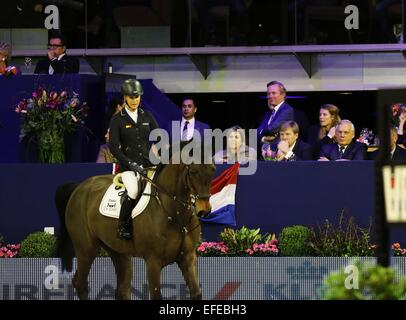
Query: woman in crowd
<point>323,132</point>
<point>237,150</point>
<point>5,54</point>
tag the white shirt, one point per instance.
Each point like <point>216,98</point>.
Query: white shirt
<point>51,70</point>
<point>190,128</point>
<point>132,114</point>
<point>290,153</point>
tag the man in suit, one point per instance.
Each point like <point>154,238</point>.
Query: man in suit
<point>290,147</point>
<point>279,112</point>
<point>396,153</point>
<point>57,62</point>
<point>189,125</point>
<point>344,148</point>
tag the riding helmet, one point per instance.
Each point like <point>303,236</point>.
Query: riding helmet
<point>132,87</point>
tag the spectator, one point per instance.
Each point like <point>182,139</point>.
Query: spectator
<point>398,120</point>
<point>279,113</point>
<point>105,155</point>
<point>324,132</point>
<point>237,150</point>
<point>344,148</point>
<point>58,62</point>
<point>290,147</point>
<point>189,125</point>
<point>397,153</point>
<point>5,54</point>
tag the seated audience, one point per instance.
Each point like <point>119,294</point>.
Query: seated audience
<point>397,153</point>
<point>324,132</point>
<point>345,148</point>
<point>237,150</point>
<point>398,120</point>
<point>290,147</point>
<point>105,155</point>
<point>5,54</point>
<point>57,62</point>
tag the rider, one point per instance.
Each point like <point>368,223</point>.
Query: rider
<point>129,144</point>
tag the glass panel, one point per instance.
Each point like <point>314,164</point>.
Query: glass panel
<point>28,24</point>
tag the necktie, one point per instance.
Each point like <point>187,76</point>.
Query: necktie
<point>184,131</point>
<point>271,117</point>
<point>341,151</point>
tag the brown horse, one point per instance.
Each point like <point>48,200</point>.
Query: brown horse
<point>167,231</point>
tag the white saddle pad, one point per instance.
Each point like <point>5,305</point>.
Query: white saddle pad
<point>110,204</point>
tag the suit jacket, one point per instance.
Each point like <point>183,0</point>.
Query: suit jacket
<point>129,141</point>
<point>199,126</point>
<point>354,151</point>
<point>313,139</point>
<point>284,113</point>
<point>301,151</point>
<point>398,155</point>
<point>65,65</point>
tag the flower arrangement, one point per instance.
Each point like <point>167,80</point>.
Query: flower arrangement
<point>212,249</point>
<point>48,117</point>
<point>366,136</point>
<point>9,251</point>
<point>242,242</point>
<point>397,251</point>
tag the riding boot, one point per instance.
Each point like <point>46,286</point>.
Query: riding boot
<point>124,231</point>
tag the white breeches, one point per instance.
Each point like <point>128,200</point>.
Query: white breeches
<point>130,181</point>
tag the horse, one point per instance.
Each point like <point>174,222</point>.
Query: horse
<point>167,231</point>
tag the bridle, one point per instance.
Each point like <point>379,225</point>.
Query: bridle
<point>189,205</point>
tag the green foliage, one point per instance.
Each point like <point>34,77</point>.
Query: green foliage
<point>38,245</point>
<point>1,240</point>
<point>346,239</point>
<point>238,241</point>
<point>364,282</point>
<point>295,241</point>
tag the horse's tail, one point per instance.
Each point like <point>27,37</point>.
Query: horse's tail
<point>64,247</point>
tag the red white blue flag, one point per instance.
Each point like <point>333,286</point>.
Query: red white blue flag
<point>222,198</point>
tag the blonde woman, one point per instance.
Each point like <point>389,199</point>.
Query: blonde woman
<point>5,54</point>
<point>237,150</point>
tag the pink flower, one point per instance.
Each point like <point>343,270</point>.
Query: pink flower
<point>396,245</point>
<point>53,95</point>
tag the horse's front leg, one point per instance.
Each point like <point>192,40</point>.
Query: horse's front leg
<point>188,264</point>
<point>154,278</point>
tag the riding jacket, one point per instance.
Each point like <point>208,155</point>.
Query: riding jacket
<point>129,141</point>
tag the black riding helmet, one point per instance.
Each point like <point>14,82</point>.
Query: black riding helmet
<point>132,87</point>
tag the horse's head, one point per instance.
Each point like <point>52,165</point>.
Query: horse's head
<point>197,179</point>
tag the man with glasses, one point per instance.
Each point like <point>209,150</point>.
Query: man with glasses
<point>58,61</point>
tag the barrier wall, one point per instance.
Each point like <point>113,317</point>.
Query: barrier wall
<point>221,278</point>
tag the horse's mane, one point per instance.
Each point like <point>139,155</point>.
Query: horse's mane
<point>173,150</point>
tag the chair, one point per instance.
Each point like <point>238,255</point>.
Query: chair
<point>221,14</point>
<point>144,26</point>
<point>333,13</point>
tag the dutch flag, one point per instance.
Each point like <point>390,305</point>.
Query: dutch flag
<point>222,198</point>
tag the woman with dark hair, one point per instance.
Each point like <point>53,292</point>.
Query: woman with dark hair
<point>237,150</point>
<point>5,54</point>
<point>324,132</point>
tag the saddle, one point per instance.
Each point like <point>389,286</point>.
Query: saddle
<point>113,197</point>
